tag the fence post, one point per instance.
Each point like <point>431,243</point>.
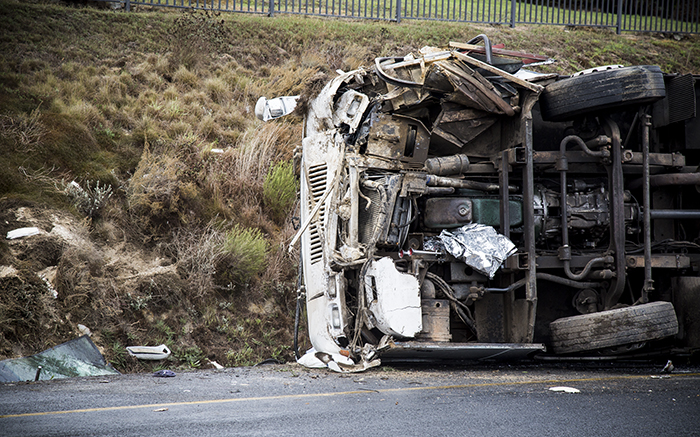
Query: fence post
<point>398,11</point>
<point>512,13</point>
<point>127,5</point>
<point>619,17</point>
<point>271,8</point>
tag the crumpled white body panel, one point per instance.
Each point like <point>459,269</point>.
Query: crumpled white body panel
<point>394,299</point>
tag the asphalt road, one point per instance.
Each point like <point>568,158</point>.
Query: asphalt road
<point>497,400</point>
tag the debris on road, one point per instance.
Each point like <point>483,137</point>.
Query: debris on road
<point>565,389</point>
<point>668,368</point>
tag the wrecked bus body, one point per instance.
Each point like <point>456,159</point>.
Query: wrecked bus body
<point>456,205</point>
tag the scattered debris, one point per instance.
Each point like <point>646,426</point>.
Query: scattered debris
<point>216,365</point>
<point>149,352</point>
<point>565,389</point>
<point>164,373</point>
<point>23,232</point>
<point>668,368</point>
<point>77,357</point>
<point>158,410</point>
<point>84,330</point>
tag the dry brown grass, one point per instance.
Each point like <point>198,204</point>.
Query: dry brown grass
<point>24,131</point>
<point>198,251</point>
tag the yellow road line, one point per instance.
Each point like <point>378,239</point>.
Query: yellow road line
<point>340,393</point>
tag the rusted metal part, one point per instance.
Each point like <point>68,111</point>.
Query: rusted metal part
<point>670,160</point>
<point>436,320</point>
<point>461,126</point>
<point>658,261</point>
<point>447,212</point>
<point>447,165</point>
<point>667,180</point>
<point>398,138</point>
<point>529,217</point>
<point>566,281</point>
<point>439,181</point>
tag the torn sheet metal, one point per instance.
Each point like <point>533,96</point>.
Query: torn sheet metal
<point>394,299</point>
<point>479,246</point>
<point>77,357</point>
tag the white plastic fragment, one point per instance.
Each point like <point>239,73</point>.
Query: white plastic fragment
<point>565,389</point>
<point>216,365</point>
<point>270,109</point>
<point>149,352</point>
<point>84,330</point>
<point>23,232</point>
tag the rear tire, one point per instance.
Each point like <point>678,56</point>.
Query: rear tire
<point>611,328</point>
<point>602,90</point>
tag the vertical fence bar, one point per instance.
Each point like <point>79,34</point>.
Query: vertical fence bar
<point>619,17</point>
<point>398,11</point>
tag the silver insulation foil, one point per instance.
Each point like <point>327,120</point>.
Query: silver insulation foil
<point>479,246</point>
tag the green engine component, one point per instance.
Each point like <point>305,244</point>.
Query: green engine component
<point>453,212</point>
<point>488,212</point>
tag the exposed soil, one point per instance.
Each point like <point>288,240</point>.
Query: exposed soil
<point>75,273</point>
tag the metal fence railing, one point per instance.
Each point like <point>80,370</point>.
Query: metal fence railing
<point>664,16</point>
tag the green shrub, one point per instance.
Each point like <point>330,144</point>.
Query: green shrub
<point>244,251</point>
<point>280,189</point>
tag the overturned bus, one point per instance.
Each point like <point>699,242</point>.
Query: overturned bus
<point>457,205</point>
